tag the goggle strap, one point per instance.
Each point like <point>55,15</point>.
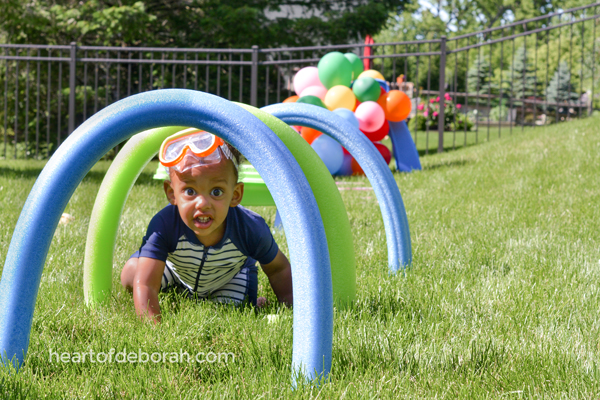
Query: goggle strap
<point>225,149</point>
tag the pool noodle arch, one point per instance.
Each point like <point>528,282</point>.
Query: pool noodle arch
<point>313,312</point>
<point>368,157</point>
<point>141,148</point>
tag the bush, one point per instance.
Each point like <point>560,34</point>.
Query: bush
<point>499,113</point>
<point>429,116</point>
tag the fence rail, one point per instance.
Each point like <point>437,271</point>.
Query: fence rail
<point>50,90</point>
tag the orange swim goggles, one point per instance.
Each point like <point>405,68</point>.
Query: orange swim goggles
<point>193,147</point>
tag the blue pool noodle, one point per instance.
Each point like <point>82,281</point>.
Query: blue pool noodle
<point>311,271</point>
<point>405,151</point>
<point>370,160</point>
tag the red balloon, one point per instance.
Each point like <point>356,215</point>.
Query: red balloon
<point>309,134</point>
<point>382,101</point>
<point>356,169</point>
<point>384,151</point>
<point>379,134</point>
<point>345,151</point>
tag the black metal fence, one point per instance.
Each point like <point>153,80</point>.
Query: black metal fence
<point>491,80</point>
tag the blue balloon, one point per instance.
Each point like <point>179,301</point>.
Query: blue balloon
<point>347,115</point>
<point>330,151</point>
<point>346,168</point>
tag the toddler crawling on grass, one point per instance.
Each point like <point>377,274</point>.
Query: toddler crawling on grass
<point>204,243</point>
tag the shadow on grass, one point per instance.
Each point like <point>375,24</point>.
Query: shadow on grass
<point>449,147</point>
<point>444,164</point>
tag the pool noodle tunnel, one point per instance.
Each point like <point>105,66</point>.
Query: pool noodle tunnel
<point>141,148</point>
<point>375,168</point>
<point>309,256</point>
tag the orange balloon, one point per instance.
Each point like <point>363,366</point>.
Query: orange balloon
<point>309,134</point>
<point>397,106</point>
<point>291,99</point>
<point>356,169</point>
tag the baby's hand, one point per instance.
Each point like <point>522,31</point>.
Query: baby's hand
<point>261,302</point>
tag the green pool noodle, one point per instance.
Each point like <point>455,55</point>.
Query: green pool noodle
<point>130,162</point>
<point>108,207</point>
<point>331,206</point>
<point>256,192</point>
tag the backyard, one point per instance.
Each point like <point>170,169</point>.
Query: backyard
<point>502,298</point>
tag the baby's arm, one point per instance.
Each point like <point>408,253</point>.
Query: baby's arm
<point>279,273</point>
<point>146,285</point>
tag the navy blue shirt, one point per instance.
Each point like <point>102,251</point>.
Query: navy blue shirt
<point>204,269</point>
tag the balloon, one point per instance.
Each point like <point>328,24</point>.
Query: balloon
<point>397,106</point>
<point>357,65</point>
<point>297,128</point>
<point>345,151</point>
<point>380,133</point>
<point>335,69</point>
<point>314,100</point>
<point>330,152</point>
<point>385,152</point>
<point>307,76</point>
<point>358,103</point>
<point>291,99</point>
<point>356,169</point>
<point>347,115</point>
<point>346,168</point>
<point>366,89</point>
<point>372,73</point>
<point>309,134</point>
<point>340,97</point>
<point>318,91</point>
<point>382,101</point>
<point>370,116</point>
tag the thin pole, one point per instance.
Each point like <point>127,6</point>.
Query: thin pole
<point>72,85</point>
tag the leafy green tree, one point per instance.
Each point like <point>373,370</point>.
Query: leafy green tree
<point>193,23</point>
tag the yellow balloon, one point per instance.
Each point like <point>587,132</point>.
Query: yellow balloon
<point>340,97</point>
<point>372,73</point>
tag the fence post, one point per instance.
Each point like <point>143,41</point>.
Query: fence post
<point>72,83</point>
<point>441,117</point>
<point>254,77</point>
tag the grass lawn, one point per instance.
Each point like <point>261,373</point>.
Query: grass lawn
<point>427,141</point>
<point>502,300</point>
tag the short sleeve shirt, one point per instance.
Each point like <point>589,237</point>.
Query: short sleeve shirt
<point>204,269</point>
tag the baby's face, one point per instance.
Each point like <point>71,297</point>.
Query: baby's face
<point>203,196</point>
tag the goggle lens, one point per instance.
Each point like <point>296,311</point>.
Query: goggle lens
<point>186,146</point>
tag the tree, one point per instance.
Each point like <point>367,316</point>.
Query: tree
<point>478,78</point>
<point>193,23</point>
<point>523,76</point>
<point>559,88</point>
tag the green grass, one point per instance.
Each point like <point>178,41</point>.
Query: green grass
<point>502,299</point>
<point>427,141</point>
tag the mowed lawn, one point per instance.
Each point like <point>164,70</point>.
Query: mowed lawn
<point>502,299</point>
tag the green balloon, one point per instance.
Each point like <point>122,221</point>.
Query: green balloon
<point>335,69</point>
<point>310,99</point>
<point>366,89</point>
<point>357,65</point>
